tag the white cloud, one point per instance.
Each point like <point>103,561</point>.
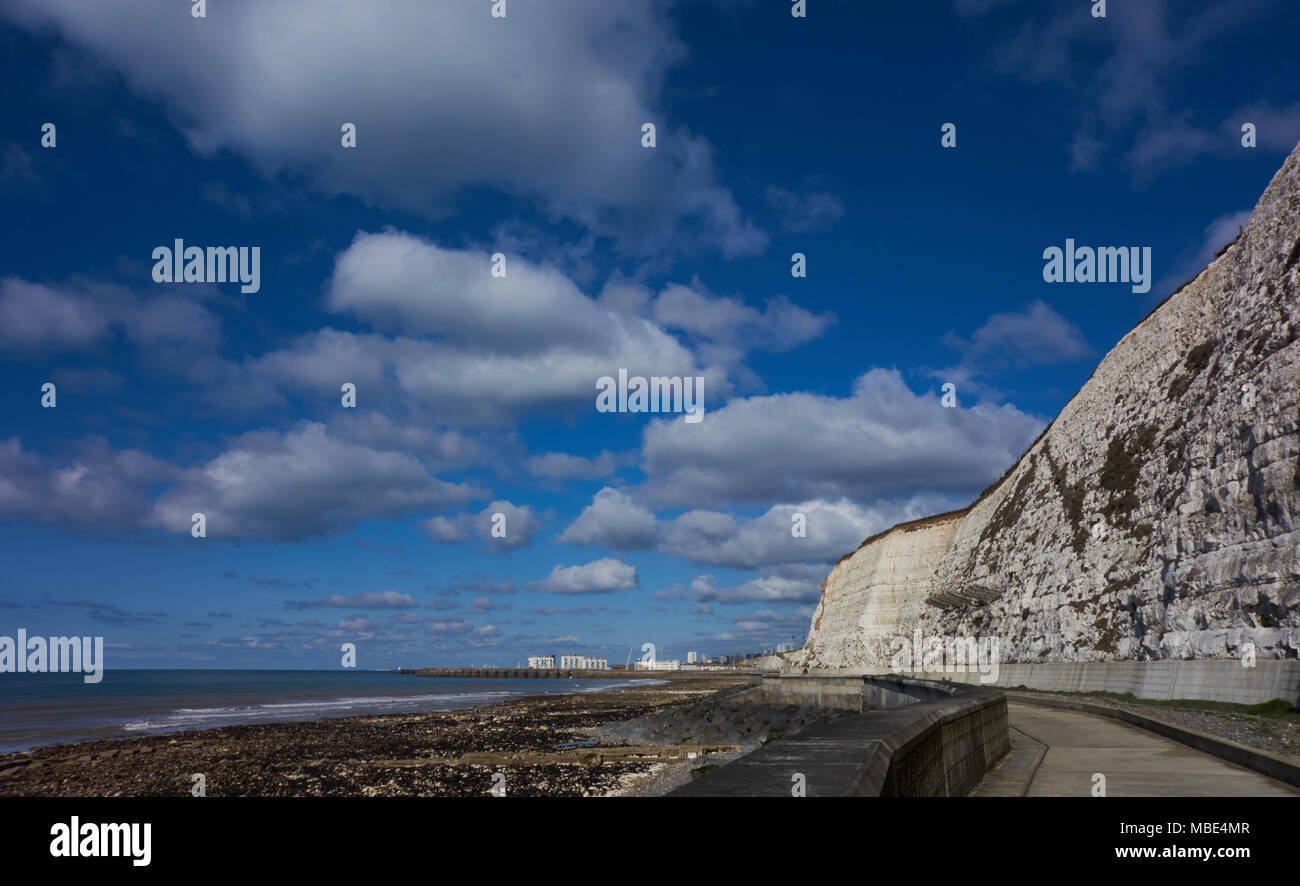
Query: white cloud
<point>547,104</point>
<point>536,344</point>
<point>612,520</point>
<point>1036,336</point>
<point>616,520</point>
<point>300,483</point>
<point>457,346</point>
<point>729,321</point>
<point>883,441</point>
<point>97,488</point>
<point>504,347</point>
<point>82,313</point>
<point>833,529</point>
<point>463,385</point>
<point>37,316</point>
<point>563,466</point>
<point>454,626</point>
<point>799,583</point>
<point>519,524</point>
<point>397,282</point>
<point>367,600</point>
<point>597,577</point>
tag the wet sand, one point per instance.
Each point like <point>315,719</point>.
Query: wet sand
<point>453,753</point>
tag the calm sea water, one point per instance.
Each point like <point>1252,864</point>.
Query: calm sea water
<point>42,709</point>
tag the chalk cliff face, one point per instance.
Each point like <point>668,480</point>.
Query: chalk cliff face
<point>1156,517</point>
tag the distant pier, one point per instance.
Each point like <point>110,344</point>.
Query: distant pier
<point>556,673</point>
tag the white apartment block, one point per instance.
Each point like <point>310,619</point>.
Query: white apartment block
<point>658,665</point>
<point>541,661</point>
<point>583,663</point>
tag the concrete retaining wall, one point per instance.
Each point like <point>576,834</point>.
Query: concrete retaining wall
<point>842,693</point>
<point>1210,680</point>
<point>949,756</point>
<point>927,739</point>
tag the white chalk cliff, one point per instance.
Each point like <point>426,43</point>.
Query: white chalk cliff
<point>1155,518</point>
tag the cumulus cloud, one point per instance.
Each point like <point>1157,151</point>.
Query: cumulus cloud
<point>768,627</point>
<point>306,481</point>
<point>1036,336</point>
<point>559,94</point>
<point>81,313</point>
<point>35,316</point>
<point>778,584</point>
<point>830,529</point>
<point>612,520</point>
<point>729,321</point>
<point>398,282</point>
<point>367,600</point>
<point>563,466</point>
<point>301,483</point>
<point>451,626</point>
<point>482,354</point>
<point>489,350</point>
<point>833,528</point>
<point>597,577</point>
<point>883,441</point>
<point>520,524</point>
<point>96,488</point>
<point>454,343</point>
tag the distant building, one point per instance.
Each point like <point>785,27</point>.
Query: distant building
<point>583,663</point>
<point>690,658</point>
<point>659,665</point>
<point>541,661</point>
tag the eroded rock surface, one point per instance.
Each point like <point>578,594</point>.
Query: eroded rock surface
<point>1156,517</point>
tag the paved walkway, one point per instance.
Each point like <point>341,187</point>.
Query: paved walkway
<point>1055,753</point>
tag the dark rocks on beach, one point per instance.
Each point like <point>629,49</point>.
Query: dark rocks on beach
<point>452,753</point>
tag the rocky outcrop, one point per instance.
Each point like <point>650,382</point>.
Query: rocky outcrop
<point>1155,518</point>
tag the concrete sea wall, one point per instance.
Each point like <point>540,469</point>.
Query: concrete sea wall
<point>912,738</point>
<point>1208,680</point>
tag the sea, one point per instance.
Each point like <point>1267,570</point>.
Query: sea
<point>60,708</point>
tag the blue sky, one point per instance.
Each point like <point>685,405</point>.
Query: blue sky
<point>476,395</point>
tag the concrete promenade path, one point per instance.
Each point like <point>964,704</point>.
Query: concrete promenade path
<point>1054,753</point>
